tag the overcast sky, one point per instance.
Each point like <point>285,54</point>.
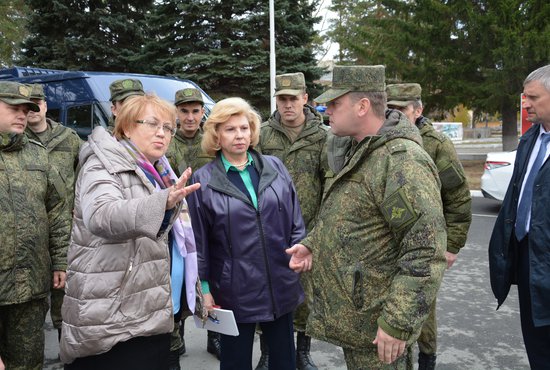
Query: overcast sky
<point>323,25</point>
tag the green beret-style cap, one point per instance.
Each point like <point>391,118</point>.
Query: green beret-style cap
<point>290,84</point>
<point>401,95</point>
<point>188,95</point>
<point>14,93</point>
<point>121,89</point>
<point>347,79</point>
<point>37,91</point>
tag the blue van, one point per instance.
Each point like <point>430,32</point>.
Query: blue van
<point>80,100</point>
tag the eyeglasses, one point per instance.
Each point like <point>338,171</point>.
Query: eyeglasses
<point>154,126</point>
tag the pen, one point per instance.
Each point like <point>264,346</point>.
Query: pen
<point>213,318</point>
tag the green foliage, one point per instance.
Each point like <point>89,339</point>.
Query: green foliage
<point>84,34</point>
<point>12,29</point>
<point>224,45</point>
<point>462,51</point>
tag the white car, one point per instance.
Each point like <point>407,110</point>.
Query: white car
<point>499,167</point>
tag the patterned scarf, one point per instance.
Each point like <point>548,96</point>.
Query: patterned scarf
<point>183,232</point>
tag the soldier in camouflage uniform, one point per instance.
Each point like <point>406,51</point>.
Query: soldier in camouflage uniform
<point>185,150</point>
<point>455,195</point>
<point>295,133</point>
<point>120,90</point>
<point>35,229</point>
<point>378,247</point>
<point>63,145</point>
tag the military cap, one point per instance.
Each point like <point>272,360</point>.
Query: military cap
<point>37,91</point>
<point>121,89</point>
<point>14,93</point>
<point>347,79</point>
<point>401,95</point>
<point>290,84</point>
<point>188,95</point>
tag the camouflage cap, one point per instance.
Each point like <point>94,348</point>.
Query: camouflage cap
<point>347,79</point>
<point>37,91</point>
<point>401,95</point>
<point>290,84</point>
<point>14,93</point>
<point>121,89</point>
<point>188,95</point>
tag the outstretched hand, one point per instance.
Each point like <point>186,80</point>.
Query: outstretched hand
<point>301,259</point>
<point>179,191</point>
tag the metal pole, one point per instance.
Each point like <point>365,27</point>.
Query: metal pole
<point>272,63</point>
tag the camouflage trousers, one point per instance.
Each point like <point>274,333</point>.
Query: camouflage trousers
<point>22,334</point>
<point>302,311</point>
<point>368,360</point>
<point>175,338</point>
<point>427,341</point>
<point>56,300</point>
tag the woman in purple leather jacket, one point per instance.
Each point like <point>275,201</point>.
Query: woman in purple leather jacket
<point>245,215</point>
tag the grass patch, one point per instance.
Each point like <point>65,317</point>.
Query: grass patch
<point>473,170</point>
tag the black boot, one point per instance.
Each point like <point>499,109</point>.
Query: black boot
<point>182,331</point>
<point>174,360</point>
<point>303,358</point>
<point>213,343</point>
<point>426,362</point>
<point>263,364</point>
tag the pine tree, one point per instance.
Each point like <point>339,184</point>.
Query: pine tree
<point>85,34</point>
<point>471,52</point>
<point>12,30</point>
<point>224,46</point>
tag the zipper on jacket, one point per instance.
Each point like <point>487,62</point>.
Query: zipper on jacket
<point>262,240</point>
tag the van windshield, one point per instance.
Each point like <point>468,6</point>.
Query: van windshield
<point>164,87</point>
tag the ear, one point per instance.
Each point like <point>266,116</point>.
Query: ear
<point>418,112</point>
<point>363,107</point>
<point>305,98</point>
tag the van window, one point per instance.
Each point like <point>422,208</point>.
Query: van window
<point>54,114</point>
<point>79,118</point>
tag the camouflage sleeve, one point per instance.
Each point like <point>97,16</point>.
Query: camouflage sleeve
<point>412,208</point>
<point>455,194</point>
<point>59,220</point>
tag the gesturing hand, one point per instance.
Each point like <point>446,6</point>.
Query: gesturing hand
<point>301,259</point>
<point>179,191</point>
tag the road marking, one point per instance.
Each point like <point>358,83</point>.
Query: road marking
<point>481,215</point>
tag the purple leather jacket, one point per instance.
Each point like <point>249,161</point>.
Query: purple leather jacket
<point>241,250</point>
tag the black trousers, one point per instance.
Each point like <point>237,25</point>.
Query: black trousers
<point>236,352</point>
<point>536,339</point>
<point>140,353</point>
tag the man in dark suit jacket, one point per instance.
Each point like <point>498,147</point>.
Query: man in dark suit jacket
<point>519,250</point>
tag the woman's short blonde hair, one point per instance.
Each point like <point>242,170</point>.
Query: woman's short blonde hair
<point>133,109</point>
<point>221,113</point>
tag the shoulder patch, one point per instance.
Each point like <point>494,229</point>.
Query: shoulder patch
<point>397,211</point>
<point>396,147</point>
<point>37,143</point>
<point>450,177</point>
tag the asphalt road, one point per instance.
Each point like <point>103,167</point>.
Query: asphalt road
<point>472,335</point>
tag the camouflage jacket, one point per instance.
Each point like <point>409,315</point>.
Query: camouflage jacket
<point>305,158</point>
<point>379,242</point>
<point>184,152</point>
<point>34,220</point>
<point>63,146</point>
<point>455,192</point>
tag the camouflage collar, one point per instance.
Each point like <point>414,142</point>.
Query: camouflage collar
<point>10,142</point>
